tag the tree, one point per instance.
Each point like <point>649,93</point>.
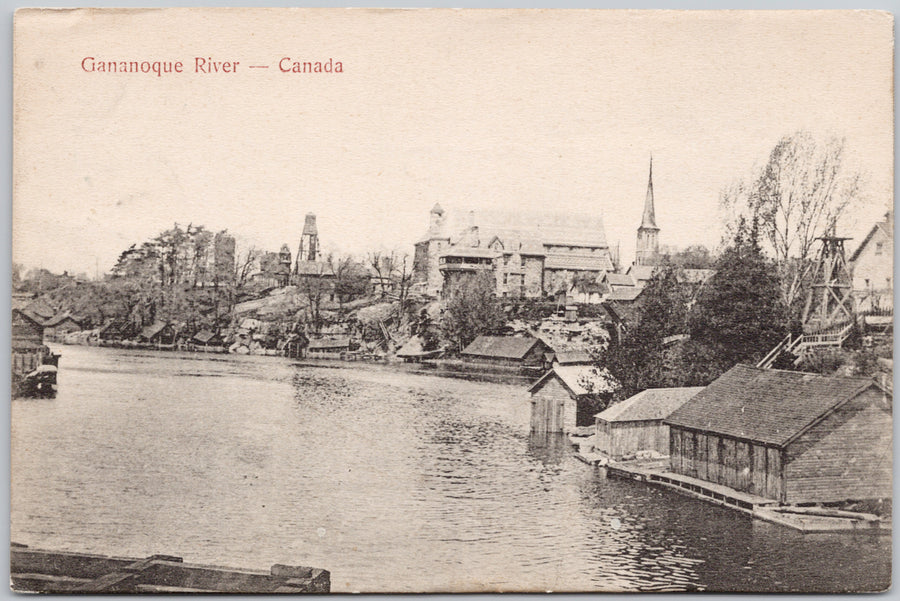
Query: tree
<point>640,359</point>
<point>796,197</point>
<point>472,310</point>
<point>351,280</point>
<point>740,313</point>
<point>695,256</point>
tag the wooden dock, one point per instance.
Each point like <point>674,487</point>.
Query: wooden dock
<point>804,519</point>
<point>40,571</point>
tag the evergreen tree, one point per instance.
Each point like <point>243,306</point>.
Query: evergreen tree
<point>740,313</point>
<point>640,360</point>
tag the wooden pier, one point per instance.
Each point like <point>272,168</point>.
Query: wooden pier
<point>40,571</point>
<point>804,519</point>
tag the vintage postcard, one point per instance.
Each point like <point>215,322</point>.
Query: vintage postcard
<point>431,300</point>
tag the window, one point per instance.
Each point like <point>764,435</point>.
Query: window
<point>505,279</point>
<point>879,248</point>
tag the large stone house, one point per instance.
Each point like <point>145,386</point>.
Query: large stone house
<point>528,258</point>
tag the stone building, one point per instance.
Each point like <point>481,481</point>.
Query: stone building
<point>528,257</point>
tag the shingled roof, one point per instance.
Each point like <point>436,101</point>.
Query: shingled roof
<point>767,406</point>
<point>650,404</point>
<point>505,347</point>
<point>577,379</point>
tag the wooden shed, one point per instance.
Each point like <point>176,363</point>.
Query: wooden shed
<point>329,347</point>
<point>789,436</point>
<point>636,424</point>
<point>562,400</point>
<point>524,351</point>
<point>206,339</point>
<point>60,325</point>
<point>159,333</point>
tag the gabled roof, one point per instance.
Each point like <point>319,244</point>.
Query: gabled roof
<point>204,336</point>
<point>618,279</point>
<point>886,227</point>
<point>30,317</point>
<point>40,308</point>
<point>650,404</point>
<point>150,332</point>
<point>767,406</point>
<point>641,273</point>
<point>59,318</point>
<point>573,357</point>
<point>329,342</point>
<point>575,379</point>
<point>504,347</point>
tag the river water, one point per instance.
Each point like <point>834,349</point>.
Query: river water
<point>392,480</point>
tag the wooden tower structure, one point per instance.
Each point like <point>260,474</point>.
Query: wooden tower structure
<point>829,302</point>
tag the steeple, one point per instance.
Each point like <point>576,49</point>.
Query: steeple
<point>648,233</point>
<point>649,219</point>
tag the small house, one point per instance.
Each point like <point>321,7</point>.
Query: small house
<point>61,325</point>
<point>790,436</point>
<point>636,424</point>
<point>160,333</point>
<point>516,351</point>
<point>564,398</point>
<point>873,268</point>
<point>40,310</point>
<point>329,347</point>
<point>206,339</point>
<point>28,347</point>
<point>587,292</point>
<point>117,329</point>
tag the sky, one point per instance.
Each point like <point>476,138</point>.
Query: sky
<point>521,111</point>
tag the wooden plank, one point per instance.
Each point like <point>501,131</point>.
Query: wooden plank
<point>758,473</point>
<point>774,478</point>
<point>675,461</point>
<point>702,456</point>
<point>742,454</point>
<point>729,463</point>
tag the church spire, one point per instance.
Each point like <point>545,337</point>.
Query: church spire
<point>648,234</point>
<point>649,219</point>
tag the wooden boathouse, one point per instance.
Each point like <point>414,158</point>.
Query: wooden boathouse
<point>159,333</point>
<point>513,351</point>
<point>28,348</point>
<point>793,437</point>
<point>563,399</point>
<point>329,347</point>
<point>636,424</point>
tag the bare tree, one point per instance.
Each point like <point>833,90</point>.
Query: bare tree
<point>244,265</point>
<point>796,197</point>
